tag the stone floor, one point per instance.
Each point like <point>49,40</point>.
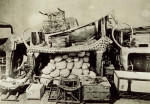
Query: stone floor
<point>44,100</point>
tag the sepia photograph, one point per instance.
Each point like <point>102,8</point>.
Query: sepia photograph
<point>74,51</point>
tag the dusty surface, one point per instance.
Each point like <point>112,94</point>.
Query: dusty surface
<point>44,100</point>
<point>131,101</point>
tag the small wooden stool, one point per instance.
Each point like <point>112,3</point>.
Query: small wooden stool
<point>69,90</point>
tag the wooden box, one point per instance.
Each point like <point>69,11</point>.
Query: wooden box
<point>126,81</point>
<point>97,92</point>
<point>35,91</point>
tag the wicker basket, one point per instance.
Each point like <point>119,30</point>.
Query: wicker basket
<point>56,22</point>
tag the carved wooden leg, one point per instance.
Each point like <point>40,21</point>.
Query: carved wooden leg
<point>124,58</point>
<point>31,64</point>
<point>0,73</point>
<point>17,95</point>
<point>98,63</point>
<point>7,95</point>
<point>8,63</point>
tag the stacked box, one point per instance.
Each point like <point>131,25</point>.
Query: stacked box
<point>35,91</point>
<point>127,81</point>
<point>97,92</point>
